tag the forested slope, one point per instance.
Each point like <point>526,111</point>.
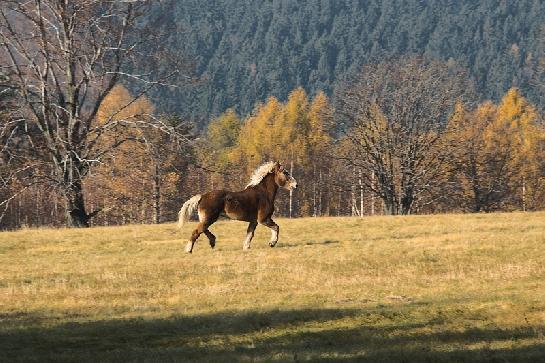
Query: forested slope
<point>246,50</point>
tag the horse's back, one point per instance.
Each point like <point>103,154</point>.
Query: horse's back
<point>242,205</point>
<point>212,203</point>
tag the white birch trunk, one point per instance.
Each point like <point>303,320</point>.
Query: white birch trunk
<point>314,205</point>
<point>373,194</point>
<point>523,194</point>
<point>353,194</point>
<point>291,191</point>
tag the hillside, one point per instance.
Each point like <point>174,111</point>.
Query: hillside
<point>245,51</point>
<point>420,288</point>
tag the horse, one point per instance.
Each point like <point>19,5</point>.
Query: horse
<point>254,204</point>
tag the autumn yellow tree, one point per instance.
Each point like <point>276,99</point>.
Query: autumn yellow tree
<point>479,159</point>
<point>293,142</point>
<point>518,119</point>
<point>296,133</point>
<point>320,118</point>
<point>120,185</point>
<point>497,153</point>
<point>140,181</point>
<point>259,138</point>
<point>217,151</point>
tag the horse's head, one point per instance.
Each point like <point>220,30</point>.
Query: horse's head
<point>283,178</point>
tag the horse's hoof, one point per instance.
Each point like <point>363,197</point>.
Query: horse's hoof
<point>189,248</point>
<point>272,244</point>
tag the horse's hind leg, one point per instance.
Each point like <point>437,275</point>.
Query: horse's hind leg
<point>275,229</point>
<point>211,238</point>
<point>209,220</point>
<point>196,233</point>
<point>249,235</point>
<point>205,221</point>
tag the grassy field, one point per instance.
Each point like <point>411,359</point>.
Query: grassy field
<point>420,288</point>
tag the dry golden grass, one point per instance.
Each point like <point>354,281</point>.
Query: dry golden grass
<point>436,288</point>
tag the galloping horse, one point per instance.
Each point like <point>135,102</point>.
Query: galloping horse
<point>255,204</point>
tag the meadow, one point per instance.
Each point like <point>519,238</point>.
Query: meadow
<point>446,288</point>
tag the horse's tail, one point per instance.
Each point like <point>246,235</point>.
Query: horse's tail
<point>187,209</point>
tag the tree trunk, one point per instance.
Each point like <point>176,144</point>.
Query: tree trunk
<point>38,208</point>
<point>291,191</point>
<point>354,208</point>
<point>373,194</point>
<point>55,211</point>
<point>329,195</point>
<point>361,193</point>
<point>407,200</point>
<point>477,203</point>
<point>406,205</point>
<point>389,207</point>
<point>314,191</point>
<point>76,216</point>
<point>389,204</point>
<point>523,194</point>
<point>157,194</point>
<point>320,192</point>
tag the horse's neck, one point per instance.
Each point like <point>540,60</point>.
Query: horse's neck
<point>269,185</point>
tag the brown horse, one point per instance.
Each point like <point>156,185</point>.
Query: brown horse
<point>255,204</point>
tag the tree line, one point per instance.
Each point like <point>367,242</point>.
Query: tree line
<point>402,137</point>
<point>425,154</point>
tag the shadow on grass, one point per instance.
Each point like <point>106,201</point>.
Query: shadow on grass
<point>276,335</point>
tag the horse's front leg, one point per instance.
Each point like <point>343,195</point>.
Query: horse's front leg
<point>249,235</point>
<point>274,228</point>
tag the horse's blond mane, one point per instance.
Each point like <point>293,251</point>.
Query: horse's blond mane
<point>260,173</point>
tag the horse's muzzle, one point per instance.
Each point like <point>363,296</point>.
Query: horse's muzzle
<point>293,185</point>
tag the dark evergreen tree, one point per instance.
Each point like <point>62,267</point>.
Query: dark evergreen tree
<point>246,51</point>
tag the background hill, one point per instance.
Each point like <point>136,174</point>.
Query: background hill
<point>246,51</point>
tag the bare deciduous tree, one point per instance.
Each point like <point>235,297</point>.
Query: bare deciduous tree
<point>395,114</point>
<point>65,57</point>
